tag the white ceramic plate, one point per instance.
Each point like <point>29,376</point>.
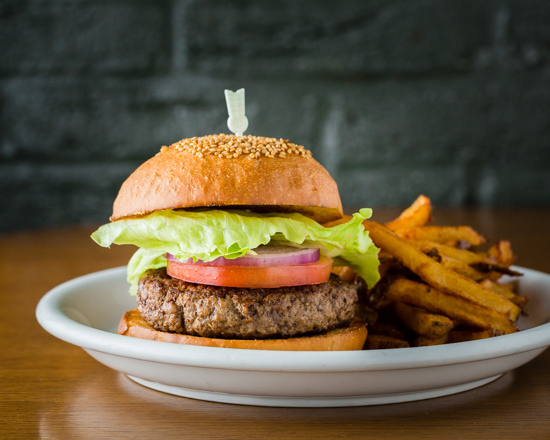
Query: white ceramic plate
<point>86,311</point>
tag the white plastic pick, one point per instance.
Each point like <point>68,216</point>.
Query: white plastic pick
<point>237,121</point>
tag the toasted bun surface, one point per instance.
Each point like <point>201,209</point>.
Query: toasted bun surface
<point>348,338</point>
<point>191,174</point>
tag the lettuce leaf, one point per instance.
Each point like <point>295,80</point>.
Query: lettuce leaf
<point>209,234</point>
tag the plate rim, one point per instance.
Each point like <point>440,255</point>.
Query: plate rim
<point>50,316</point>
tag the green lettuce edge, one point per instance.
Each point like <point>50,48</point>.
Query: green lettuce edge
<point>207,235</point>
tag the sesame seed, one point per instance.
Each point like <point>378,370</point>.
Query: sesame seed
<point>232,146</point>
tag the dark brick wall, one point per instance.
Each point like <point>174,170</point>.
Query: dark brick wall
<point>396,98</point>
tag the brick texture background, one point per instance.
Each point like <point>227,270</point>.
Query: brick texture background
<point>396,98</point>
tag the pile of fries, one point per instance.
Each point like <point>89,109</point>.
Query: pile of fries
<point>436,285</point>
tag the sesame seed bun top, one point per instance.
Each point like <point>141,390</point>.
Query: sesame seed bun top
<point>248,172</point>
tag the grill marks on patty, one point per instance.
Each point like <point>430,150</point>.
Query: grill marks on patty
<point>172,305</point>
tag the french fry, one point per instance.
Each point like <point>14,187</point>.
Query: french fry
<point>418,214</point>
<point>375,296</point>
<point>345,273</point>
<point>462,269</point>
<point>423,341</point>
<point>456,308</point>
<point>344,219</point>
<point>366,314</point>
<point>430,325</point>
<point>501,251</point>
<point>474,265</point>
<point>494,271</point>
<point>507,291</point>
<point>465,335</point>
<point>434,282</point>
<point>490,264</point>
<point>385,257</point>
<point>436,275</point>
<point>383,328</point>
<point>381,342</point>
<point>450,235</point>
<point>463,255</point>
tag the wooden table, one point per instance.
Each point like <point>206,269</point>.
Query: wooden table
<point>51,389</point>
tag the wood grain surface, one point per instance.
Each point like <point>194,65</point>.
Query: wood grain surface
<point>51,389</point>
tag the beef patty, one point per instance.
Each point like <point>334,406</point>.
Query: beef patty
<point>171,305</point>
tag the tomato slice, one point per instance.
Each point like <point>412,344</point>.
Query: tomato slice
<point>252,276</point>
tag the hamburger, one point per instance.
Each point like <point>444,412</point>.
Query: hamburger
<point>231,248</point>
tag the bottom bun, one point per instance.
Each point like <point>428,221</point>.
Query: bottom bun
<point>352,337</point>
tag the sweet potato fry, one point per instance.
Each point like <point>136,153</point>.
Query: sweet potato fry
<point>456,308</point>
<point>450,235</point>
<point>430,325</point>
<point>418,214</point>
<point>436,275</point>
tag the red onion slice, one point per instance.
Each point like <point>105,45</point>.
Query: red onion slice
<point>266,256</point>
